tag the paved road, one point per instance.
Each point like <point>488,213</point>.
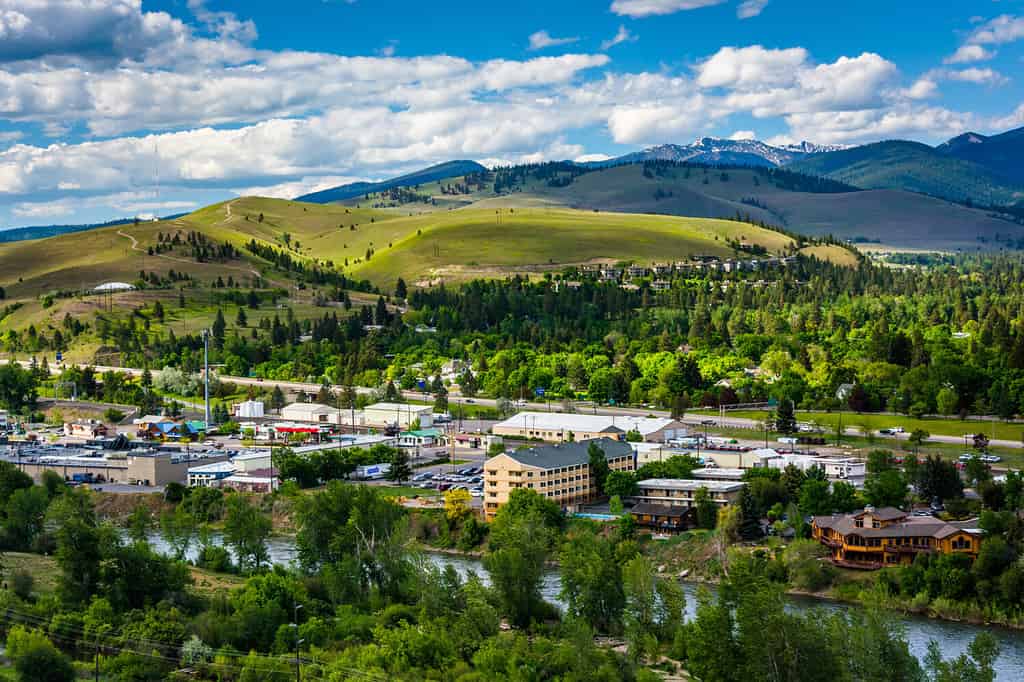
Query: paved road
<point>581,408</point>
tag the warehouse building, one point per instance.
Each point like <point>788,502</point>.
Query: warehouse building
<point>559,427</point>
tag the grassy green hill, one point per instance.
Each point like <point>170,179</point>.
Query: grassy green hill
<point>493,242</point>
<point>895,218</point>
<point>914,167</point>
<point>46,279</point>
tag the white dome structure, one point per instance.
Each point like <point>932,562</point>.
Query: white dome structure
<point>113,286</point>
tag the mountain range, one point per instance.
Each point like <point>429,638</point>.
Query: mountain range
<point>440,171</point>
<point>717,150</point>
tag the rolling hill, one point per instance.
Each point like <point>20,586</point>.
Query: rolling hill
<point>440,171</point>
<point>954,171</point>
<point>1002,154</point>
<point>779,197</point>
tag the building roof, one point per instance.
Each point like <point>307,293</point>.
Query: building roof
<point>400,407</point>
<point>215,468</point>
<point>586,423</point>
<point>318,408</point>
<point>568,454</point>
<point>690,484</point>
<point>718,474</point>
<point>882,513</point>
<point>249,456</point>
<point>904,526</point>
<point>655,509</point>
<point>114,286</point>
<point>423,433</point>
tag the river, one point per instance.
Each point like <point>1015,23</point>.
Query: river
<point>952,637</point>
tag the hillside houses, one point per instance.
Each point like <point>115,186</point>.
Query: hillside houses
<point>662,272</point>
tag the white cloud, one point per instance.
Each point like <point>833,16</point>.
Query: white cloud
<point>968,53</point>
<point>123,203</point>
<point>979,76</point>
<point>92,29</point>
<point>1003,29</point>
<point>592,158</point>
<point>923,88</point>
<point>647,8</point>
<point>388,50</point>
<point>750,67</point>
<point>543,39</point>
<point>902,121</point>
<point>622,36</point>
<point>223,24</point>
<point>751,8</point>
<point>296,188</point>
<point>743,135</point>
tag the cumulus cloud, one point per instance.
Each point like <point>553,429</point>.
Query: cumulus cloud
<point>923,88</point>
<point>979,76</point>
<point>223,24</point>
<point>125,203</point>
<point>969,53</point>
<point>543,39</point>
<point>622,36</point>
<point>98,29</point>
<point>750,67</point>
<point>1003,29</point>
<point>218,115</point>
<point>751,8</point>
<point>743,135</point>
<point>647,8</point>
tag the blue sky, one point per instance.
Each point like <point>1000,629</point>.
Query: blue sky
<point>114,108</point>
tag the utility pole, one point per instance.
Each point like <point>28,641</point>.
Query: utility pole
<point>298,662</point>
<point>206,375</point>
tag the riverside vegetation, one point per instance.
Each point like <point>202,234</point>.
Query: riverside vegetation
<point>361,601</point>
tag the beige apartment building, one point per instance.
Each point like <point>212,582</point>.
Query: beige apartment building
<point>560,472</point>
<point>681,492</point>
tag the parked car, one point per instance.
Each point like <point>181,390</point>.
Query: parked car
<point>966,457</point>
<point>991,459</point>
<point>476,492</point>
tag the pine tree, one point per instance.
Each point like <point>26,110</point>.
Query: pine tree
<point>750,522</point>
<point>785,418</point>
<point>241,320</point>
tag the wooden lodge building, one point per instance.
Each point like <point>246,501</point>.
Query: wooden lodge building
<point>874,538</point>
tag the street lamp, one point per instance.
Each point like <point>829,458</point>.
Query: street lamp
<point>298,664</point>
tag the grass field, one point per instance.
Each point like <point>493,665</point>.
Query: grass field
<point>406,491</point>
<point>935,426</point>
<point>896,218</point>
<point>480,242</point>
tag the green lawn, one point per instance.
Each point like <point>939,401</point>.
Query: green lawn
<point>935,426</point>
<point>406,491</point>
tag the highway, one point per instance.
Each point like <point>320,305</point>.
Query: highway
<point>693,419</point>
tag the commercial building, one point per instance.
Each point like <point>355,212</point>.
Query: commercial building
<point>208,475</point>
<point>682,492</point>
<point>420,438</point>
<point>873,538</point>
<point>560,472</point>
<point>249,409</point>
<point>310,413</point>
<point>400,415</point>
<point>559,427</point>
<point>85,428</point>
<point>135,467</point>
<point>718,474</point>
